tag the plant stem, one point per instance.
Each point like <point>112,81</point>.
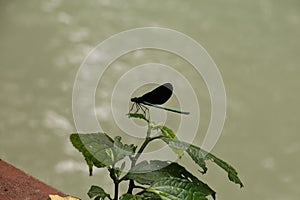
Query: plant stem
<point>134,159</point>
<point>116,191</point>
<point>113,176</point>
<point>148,130</point>
<point>130,187</point>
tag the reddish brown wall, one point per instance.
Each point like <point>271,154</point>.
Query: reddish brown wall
<point>15,184</point>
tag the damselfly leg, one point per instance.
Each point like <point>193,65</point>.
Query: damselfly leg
<point>139,107</point>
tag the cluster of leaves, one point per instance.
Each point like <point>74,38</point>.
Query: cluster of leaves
<point>156,179</point>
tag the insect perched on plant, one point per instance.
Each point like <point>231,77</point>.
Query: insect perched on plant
<point>155,98</point>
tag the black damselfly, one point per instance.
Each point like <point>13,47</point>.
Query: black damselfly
<point>155,98</point>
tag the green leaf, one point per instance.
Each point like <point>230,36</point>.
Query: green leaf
<point>141,196</point>
<point>149,173</point>
<point>90,164</point>
<point>177,189</point>
<point>89,158</point>
<point>130,197</point>
<point>100,150</point>
<point>168,133</point>
<point>122,150</point>
<point>232,173</point>
<point>97,193</point>
<point>118,170</point>
<point>138,116</point>
<point>197,154</point>
<point>200,156</point>
<point>149,196</point>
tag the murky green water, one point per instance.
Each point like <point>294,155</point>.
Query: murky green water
<point>254,43</point>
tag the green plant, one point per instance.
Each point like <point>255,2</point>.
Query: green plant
<point>154,179</point>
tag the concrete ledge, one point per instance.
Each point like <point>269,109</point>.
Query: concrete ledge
<point>16,184</point>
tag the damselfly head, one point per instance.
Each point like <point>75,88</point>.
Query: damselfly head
<point>136,100</point>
